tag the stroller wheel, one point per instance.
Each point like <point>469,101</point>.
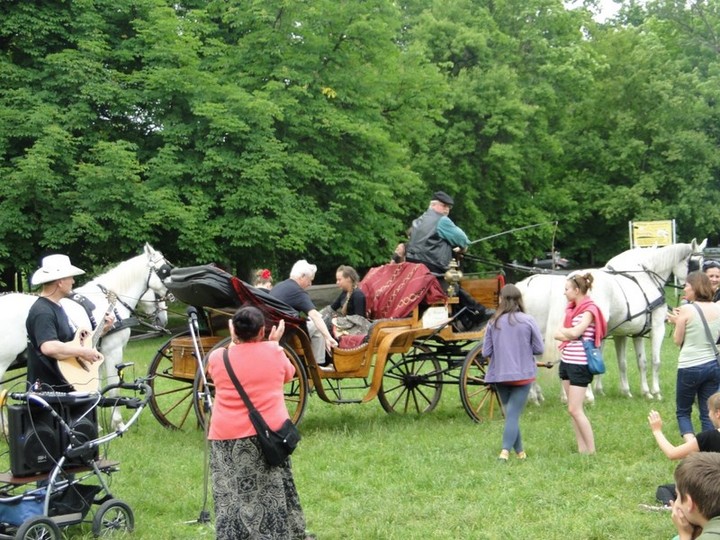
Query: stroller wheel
<point>38,528</point>
<point>113,516</point>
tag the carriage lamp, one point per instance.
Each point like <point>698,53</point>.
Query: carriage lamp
<point>453,277</point>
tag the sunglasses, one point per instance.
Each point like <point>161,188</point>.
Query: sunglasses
<point>710,264</point>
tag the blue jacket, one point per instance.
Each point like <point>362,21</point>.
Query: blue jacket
<point>510,342</point>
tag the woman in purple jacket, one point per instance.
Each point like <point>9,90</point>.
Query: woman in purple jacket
<point>511,339</point>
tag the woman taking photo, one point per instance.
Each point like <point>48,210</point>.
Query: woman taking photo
<point>512,338</point>
<point>252,499</point>
<point>583,321</point>
<point>698,375</point>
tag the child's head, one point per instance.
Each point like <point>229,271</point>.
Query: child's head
<point>697,482</point>
<point>714,409</point>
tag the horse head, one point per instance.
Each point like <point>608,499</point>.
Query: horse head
<point>690,262</point>
<point>159,270</point>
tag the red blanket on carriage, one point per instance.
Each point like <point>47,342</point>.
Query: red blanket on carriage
<point>393,290</point>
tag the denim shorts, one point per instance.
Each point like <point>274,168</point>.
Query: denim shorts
<point>577,374</point>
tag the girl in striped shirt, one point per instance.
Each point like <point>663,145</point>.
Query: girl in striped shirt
<point>583,320</point>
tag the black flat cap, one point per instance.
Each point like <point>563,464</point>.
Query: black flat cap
<point>443,198</point>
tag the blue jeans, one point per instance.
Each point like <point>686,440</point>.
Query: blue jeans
<point>701,381</point>
<point>513,399</point>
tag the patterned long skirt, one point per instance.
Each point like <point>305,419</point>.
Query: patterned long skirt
<point>253,501</point>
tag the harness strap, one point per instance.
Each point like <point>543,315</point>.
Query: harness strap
<point>87,305</point>
<point>650,306</point>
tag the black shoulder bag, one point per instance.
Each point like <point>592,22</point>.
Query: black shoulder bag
<point>707,331</point>
<point>276,445</point>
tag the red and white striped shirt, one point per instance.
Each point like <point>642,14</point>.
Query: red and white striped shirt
<point>574,352</point>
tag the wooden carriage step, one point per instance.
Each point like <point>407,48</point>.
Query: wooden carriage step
<point>8,478</point>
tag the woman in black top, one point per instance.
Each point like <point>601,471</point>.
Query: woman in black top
<point>351,300</point>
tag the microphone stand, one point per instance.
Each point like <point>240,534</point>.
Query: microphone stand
<point>204,516</point>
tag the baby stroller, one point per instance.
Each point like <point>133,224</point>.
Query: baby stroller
<point>56,472</point>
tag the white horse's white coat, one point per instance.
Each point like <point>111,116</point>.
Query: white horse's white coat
<point>129,281</point>
<point>629,292</point>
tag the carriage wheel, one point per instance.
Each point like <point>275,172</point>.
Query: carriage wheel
<point>38,528</point>
<point>412,382</point>
<point>296,390</point>
<point>478,398</point>
<point>172,398</point>
<point>113,517</point>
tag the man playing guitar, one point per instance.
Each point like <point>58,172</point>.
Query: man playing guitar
<point>49,332</point>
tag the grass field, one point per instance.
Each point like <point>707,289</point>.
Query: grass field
<point>364,474</point>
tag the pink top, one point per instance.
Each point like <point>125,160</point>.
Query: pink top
<point>262,368</point>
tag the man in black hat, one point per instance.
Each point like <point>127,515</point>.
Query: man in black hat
<point>433,239</point>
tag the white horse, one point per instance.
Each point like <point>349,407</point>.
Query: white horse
<point>128,282</point>
<point>630,292</point>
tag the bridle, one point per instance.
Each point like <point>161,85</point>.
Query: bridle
<point>159,266</point>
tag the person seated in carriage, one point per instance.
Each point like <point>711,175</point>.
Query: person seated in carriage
<point>293,292</point>
<point>433,240</point>
<point>50,336</point>
<point>347,315</point>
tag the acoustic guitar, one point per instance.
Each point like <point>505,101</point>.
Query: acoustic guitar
<point>84,376</point>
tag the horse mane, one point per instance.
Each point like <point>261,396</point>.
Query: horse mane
<point>652,257</point>
<point>122,277</point>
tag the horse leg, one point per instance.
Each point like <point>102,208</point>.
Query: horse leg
<point>642,366</point>
<point>656,338</point>
<point>536,396</point>
<point>112,349</point>
<point>621,353</point>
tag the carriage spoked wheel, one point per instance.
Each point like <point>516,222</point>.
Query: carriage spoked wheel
<point>479,399</point>
<point>412,381</point>
<point>114,517</point>
<point>296,390</point>
<point>172,399</point>
<point>38,528</point>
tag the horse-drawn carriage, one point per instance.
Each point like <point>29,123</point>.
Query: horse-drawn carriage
<point>409,354</point>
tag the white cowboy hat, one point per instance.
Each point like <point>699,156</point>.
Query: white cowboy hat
<point>55,267</point>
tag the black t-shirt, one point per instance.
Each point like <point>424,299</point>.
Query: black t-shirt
<point>293,295</point>
<point>356,305</point>
<point>46,321</point>
<point>709,441</point>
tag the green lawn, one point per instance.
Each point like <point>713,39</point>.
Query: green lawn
<point>364,474</point>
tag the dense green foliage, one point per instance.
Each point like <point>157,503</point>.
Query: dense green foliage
<point>255,133</point>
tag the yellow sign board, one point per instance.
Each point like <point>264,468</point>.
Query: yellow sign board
<point>652,233</point>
